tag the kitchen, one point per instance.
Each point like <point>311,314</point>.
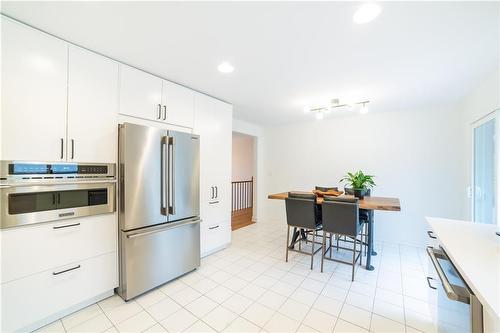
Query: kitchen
<point>116,158</point>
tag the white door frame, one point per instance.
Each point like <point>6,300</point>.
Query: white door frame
<point>492,115</point>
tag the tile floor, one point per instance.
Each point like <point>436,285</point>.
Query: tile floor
<point>249,287</point>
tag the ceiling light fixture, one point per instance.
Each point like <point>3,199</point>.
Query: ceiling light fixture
<point>225,67</point>
<point>364,109</point>
<point>320,111</point>
<point>366,13</point>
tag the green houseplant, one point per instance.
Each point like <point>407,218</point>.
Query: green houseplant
<point>359,182</point>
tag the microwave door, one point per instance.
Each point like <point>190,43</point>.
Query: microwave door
<point>183,176</point>
<point>142,155</point>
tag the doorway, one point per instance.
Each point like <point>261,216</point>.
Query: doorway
<point>243,180</point>
<point>485,169</point>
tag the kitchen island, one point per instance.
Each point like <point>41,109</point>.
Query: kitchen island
<point>474,250</point>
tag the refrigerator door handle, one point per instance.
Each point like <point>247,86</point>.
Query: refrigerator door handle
<point>164,228</point>
<point>171,173</point>
<point>163,190</point>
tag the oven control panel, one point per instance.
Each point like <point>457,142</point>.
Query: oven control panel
<point>19,170</point>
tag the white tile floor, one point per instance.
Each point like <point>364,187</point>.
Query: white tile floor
<point>249,287</point>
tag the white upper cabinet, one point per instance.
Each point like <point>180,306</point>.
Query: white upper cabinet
<point>146,96</point>
<point>34,83</point>
<point>92,107</point>
<point>178,103</point>
<point>140,94</point>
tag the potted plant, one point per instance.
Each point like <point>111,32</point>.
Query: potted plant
<point>359,182</point>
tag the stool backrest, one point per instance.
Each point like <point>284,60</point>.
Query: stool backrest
<point>301,210</point>
<point>326,189</point>
<point>341,215</point>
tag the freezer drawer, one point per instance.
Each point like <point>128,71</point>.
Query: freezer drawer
<point>152,256</point>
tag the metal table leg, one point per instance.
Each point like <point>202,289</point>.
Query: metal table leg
<point>370,242</point>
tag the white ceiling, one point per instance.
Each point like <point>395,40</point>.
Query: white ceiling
<point>289,54</point>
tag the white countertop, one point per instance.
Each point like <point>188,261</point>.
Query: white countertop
<point>474,249</point>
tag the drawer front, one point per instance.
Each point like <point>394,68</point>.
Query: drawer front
<point>156,255</point>
<point>28,300</point>
<point>32,249</point>
<point>214,235</point>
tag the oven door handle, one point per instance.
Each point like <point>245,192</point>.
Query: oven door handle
<point>448,288</point>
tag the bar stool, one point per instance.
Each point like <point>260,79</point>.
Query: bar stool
<point>364,216</point>
<point>302,212</point>
<point>325,189</point>
<point>341,217</point>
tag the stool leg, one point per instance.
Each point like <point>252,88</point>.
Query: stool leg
<point>312,248</point>
<point>354,258</point>
<point>361,252</point>
<point>323,251</point>
<point>287,241</point>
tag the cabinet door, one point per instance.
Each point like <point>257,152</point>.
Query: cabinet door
<point>140,94</point>
<point>92,107</point>
<point>223,163</point>
<point>34,97</point>
<point>213,122</point>
<point>179,104</point>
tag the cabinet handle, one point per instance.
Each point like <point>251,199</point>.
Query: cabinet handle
<point>429,282</point>
<point>214,227</point>
<point>72,148</point>
<point>212,189</point>
<point>66,270</point>
<point>65,226</point>
<point>213,202</point>
<point>431,234</point>
<point>159,112</point>
<point>62,148</point>
<point>216,192</point>
<point>164,112</point>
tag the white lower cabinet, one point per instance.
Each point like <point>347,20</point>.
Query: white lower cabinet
<point>214,236</point>
<point>31,300</point>
<point>50,269</point>
<point>33,249</point>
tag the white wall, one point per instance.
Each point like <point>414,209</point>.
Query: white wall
<point>416,156</point>
<point>243,157</point>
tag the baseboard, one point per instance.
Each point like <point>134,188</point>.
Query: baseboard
<point>66,312</point>
<point>217,249</point>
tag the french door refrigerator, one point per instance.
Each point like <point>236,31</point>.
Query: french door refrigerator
<point>158,211</point>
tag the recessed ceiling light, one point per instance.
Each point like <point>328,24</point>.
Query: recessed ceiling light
<point>225,67</point>
<point>366,13</point>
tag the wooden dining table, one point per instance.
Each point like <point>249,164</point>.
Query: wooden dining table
<point>368,203</point>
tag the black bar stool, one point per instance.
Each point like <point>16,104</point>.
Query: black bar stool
<point>302,212</point>
<point>340,216</point>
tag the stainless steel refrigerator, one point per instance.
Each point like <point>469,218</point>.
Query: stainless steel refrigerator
<point>158,211</point>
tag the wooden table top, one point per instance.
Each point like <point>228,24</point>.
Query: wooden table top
<point>371,203</point>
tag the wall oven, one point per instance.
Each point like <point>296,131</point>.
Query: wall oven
<point>35,192</point>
